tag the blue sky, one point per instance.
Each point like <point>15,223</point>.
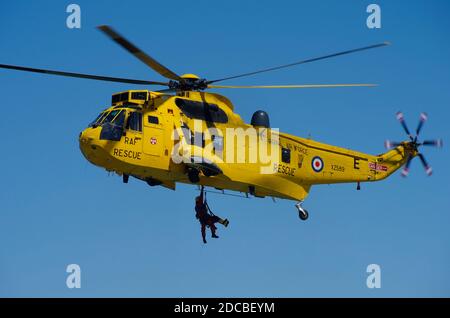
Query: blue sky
<point>133,240</point>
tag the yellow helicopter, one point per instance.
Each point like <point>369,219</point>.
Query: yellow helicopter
<point>183,134</point>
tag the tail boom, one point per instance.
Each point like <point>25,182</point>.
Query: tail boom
<point>389,162</point>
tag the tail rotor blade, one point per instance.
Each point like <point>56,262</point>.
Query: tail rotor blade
<point>435,143</point>
<point>412,146</point>
<point>422,120</point>
<point>428,168</point>
<point>391,144</point>
<point>401,119</point>
<point>405,171</point>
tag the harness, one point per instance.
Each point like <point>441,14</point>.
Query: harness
<point>207,206</point>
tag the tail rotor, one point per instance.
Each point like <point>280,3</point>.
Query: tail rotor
<point>414,144</point>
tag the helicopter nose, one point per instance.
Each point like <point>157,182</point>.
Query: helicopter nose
<point>84,139</point>
<point>86,142</point>
<point>92,147</point>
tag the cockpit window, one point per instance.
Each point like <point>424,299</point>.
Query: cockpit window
<point>135,121</point>
<point>119,119</point>
<point>97,121</point>
<point>112,126</point>
<point>102,117</point>
<point>116,116</point>
<point>111,116</point>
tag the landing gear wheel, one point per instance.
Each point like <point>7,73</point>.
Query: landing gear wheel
<point>303,215</point>
<point>193,176</point>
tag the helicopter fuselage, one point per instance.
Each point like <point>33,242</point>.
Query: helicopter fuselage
<point>163,139</point>
<point>196,137</point>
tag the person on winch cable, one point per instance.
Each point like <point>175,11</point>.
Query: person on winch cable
<point>206,217</point>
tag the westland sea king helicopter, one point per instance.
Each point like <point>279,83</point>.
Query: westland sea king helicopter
<point>134,137</point>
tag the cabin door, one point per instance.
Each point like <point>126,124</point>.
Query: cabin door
<point>153,143</point>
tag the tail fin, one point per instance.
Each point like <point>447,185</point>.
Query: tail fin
<point>392,160</point>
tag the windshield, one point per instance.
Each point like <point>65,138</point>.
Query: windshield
<point>116,116</point>
<point>119,119</point>
<point>99,119</point>
<point>112,125</point>
<point>111,116</point>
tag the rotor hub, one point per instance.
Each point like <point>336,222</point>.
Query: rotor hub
<point>189,82</point>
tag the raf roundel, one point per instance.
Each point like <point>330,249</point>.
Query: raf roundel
<point>317,164</point>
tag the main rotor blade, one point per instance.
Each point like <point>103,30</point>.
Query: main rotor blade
<point>428,169</point>
<point>149,61</point>
<point>401,119</point>
<point>437,143</point>
<point>302,62</point>
<point>422,120</point>
<point>293,86</point>
<point>80,75</point>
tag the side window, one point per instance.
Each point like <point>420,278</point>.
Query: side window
<point>135,121</point>
<point>153,120</point>
<point>286,155</point>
